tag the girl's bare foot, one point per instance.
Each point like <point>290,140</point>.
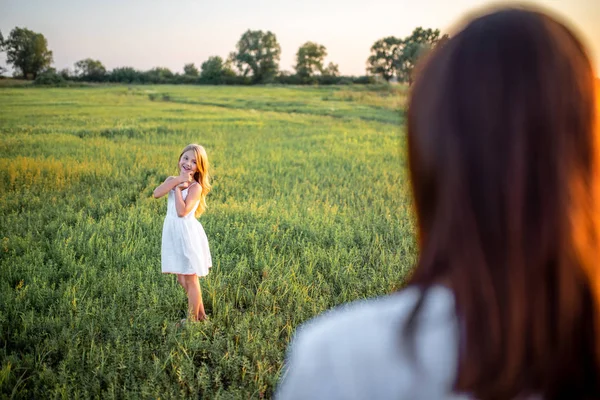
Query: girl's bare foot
<point>202,317</point>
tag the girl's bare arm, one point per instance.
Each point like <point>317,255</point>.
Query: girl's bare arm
<point>166,186</point>
<point>184,207</point>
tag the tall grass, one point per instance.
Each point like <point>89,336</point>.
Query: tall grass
<point>310,208</point>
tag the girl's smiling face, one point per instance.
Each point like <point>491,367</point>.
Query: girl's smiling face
<point>187,162</point>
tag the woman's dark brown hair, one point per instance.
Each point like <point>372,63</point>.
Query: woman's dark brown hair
<point>503,155</point>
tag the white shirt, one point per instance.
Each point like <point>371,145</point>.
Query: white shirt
<point>358,351</point>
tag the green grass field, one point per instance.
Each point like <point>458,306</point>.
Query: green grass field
<point>310,208</point>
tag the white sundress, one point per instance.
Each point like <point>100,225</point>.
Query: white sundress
<point>184,247</point>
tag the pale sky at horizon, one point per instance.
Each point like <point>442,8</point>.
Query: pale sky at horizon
<point>149,33</point>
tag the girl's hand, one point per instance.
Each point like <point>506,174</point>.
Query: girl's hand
<point>183,185</point>
<point>185,178</point>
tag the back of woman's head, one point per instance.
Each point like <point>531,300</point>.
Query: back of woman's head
<point>504,157</point>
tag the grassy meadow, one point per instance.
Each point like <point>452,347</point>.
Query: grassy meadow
<point>310,208</point>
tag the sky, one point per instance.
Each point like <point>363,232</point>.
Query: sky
<point>170,33</point>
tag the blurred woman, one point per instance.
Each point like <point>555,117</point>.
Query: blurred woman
<point>504,301</point>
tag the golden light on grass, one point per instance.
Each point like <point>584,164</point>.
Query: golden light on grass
<point>309,209</point>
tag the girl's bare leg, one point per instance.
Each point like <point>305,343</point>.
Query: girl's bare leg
<point>182,281</point>
<point>194,293</point>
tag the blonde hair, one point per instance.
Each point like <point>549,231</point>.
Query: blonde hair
<point>202,175</point>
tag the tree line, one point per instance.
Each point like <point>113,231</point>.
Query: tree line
<point>255,61</point>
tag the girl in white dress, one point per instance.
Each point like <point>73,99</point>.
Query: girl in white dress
<point>185,250</point>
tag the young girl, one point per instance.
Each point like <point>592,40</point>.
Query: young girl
<point>185,249</point>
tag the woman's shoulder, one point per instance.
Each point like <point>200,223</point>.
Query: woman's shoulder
<point>368,319</point>
<point>358,348</point>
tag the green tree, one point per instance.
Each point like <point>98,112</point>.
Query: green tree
<point>212,70</point>
<point>66,74</point>
<point>49,77</point>
<point>125,75</point>
<point>229,68</point>
<point>190,70</point>
<point>331,70</point>
<point>309,59</point>
<point>159,75</point>
<point>90,70</point>
<point>2,69</point>
<point>383,58</point>
<point>258,54</point>
<point>413,48</point>
<point>27,51</point>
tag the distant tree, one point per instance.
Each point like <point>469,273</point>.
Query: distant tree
<point>190,70</point>
<point>212,68</point>
<point>331,70</point>
<point>413,48</point>
<point>383,58</point>
<point>231,63</point>
<point>158,75</point>
<point>229,69</point>
<point>66,74</point>
<point>2,69</point>
<point>216,71</point>
<point>287,78</point>
<point>49,77</point>
<point>309,59</point>
<point>125,75</point>
<point>90,70</point>
<point>258,54</point>
<point>27,51</point>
